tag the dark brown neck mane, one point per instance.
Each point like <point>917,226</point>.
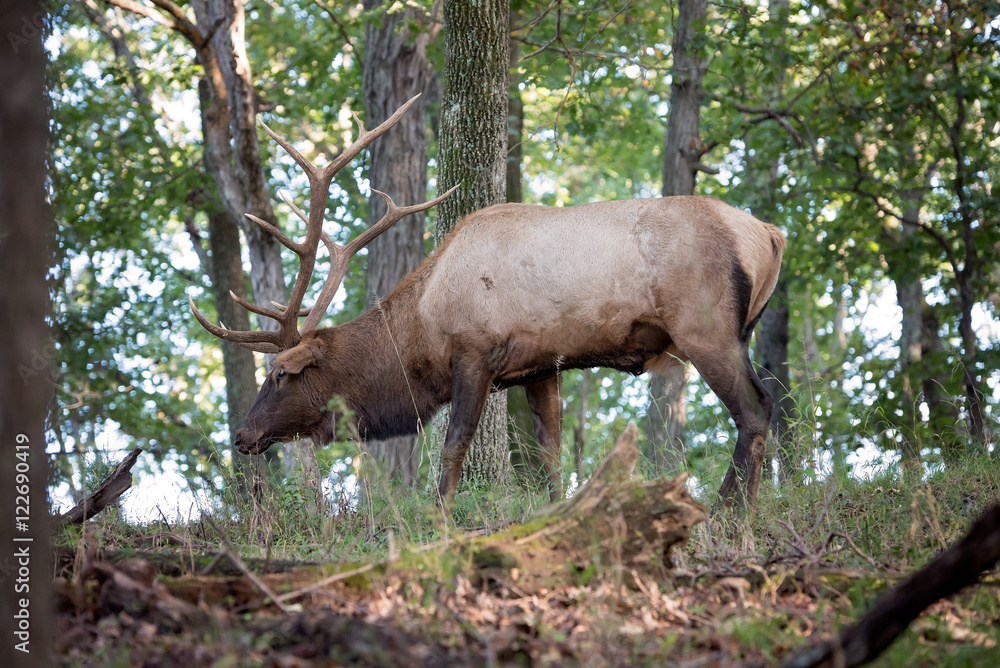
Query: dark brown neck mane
<point>381,366</point>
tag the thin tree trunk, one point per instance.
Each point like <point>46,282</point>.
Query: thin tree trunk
<point>910,297</point>
<point>238,363</point>
<point>772,349</point>
<point>772,335</point>
<point>971,269</point>
<point>395,69</point>
<point>526,457</point>
<point>225,269</point>
<point>232,153</point>
<point>667,413</point>
<point>580,430</point>
<point>25,232</point>
<point>942,409</point>
<point>474,156</point>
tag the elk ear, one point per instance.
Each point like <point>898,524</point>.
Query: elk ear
<point>294,360</point>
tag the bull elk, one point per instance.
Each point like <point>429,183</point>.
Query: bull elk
<point>513,296</point>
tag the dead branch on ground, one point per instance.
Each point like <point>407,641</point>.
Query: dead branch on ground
<point>106,494</point>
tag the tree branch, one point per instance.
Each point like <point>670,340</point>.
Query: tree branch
<point>175,19</point>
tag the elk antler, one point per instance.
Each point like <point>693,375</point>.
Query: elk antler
<point>289,334</point>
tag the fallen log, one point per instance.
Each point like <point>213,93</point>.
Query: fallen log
<point>610,523</point>
<point>119,482</point>
<point>953,570</point>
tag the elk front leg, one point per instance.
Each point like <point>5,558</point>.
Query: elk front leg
<point>545,402</point>
<point>470,387</point>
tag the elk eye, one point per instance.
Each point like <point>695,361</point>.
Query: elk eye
<point>281,374</point>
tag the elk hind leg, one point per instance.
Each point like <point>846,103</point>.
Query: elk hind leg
<point>545,401</point>
<point>733,378</point>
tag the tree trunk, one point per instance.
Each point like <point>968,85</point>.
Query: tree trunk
<point>231,123</point>
<point>238,363</point>
<point>25,230</point>
<point>907,274</point>
<point>667,413</point>
<point>525,456</point>
<point>395,69</point>
<point>772,335</point>
<point>474,156</point>
<point>968,275</point>
<point>580,430</point>
<point>666,420</point>
<point>225,270</point>
<point>942,409</point>
<point>772,349</point>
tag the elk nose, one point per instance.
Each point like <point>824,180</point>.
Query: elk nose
<point>238,442</point>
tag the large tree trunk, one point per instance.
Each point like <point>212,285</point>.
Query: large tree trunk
<point>474,156</point>
<point>395,69</point>
<point>667,414</point>
<point>25,230</point>
<point>233,158</point>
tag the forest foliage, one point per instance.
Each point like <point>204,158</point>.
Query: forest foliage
<point>868,131</point>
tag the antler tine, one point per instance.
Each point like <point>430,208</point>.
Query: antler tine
<point>253,308</point>
<point>283,194</point>
<point>303,312</point>
<point>285,240</point>
<point>340,255</point>
<point>393,214</point>
<point>365,137</point>
<point>259,341</point>
<point>310,169</point>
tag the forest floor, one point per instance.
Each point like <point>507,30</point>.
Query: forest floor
<point>743,592</point>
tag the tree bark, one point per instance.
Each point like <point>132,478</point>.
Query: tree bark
<point>474,156</point>
<point>609,520</point>
<point>106,494</point>
<point>667,413</point>
<point>25,233</point>
<point>395,69</point>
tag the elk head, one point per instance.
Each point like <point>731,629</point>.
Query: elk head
<point>293,400</point>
